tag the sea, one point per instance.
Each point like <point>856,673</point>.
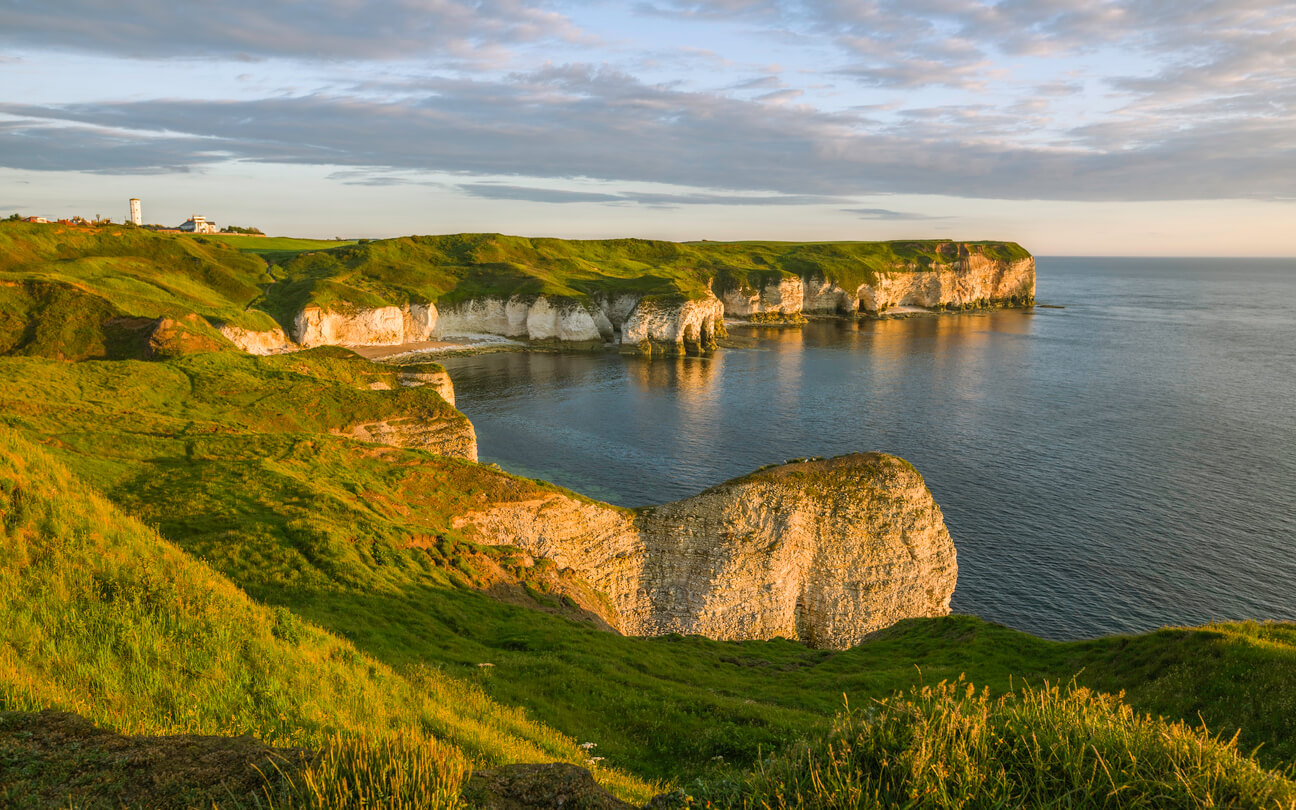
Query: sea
<point>1120,459</point>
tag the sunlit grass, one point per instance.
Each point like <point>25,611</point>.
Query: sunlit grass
<point>951,745</point>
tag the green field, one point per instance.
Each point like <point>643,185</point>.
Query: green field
<point>274,249</point>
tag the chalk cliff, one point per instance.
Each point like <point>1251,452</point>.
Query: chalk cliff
<point>359,326</point>
<point>430,374</point>
<point>252,341</point>
<point>954,275</point>
<point>821,551</point>
<point>970,279</point>
<point>777,300</point>
<point>540,318</point>
<point>673,327</point>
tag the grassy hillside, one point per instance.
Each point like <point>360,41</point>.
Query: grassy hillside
<point>72,292</point>
<point>229,457</point>
<point>106,618</point>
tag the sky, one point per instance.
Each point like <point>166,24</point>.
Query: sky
<point>1075,127</point>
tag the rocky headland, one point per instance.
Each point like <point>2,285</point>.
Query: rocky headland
<point>823,551</point>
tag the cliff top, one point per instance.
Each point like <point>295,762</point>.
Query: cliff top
<point>451,268</point>
<point>60,285</point>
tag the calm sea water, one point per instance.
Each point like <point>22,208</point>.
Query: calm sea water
<point>1124,463</point>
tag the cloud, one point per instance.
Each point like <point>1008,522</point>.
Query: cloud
<point>530,194</point>
<point>320,29</point>
<point>575,121</point>
<point>502,191</point>
<point>1033,99</point>
<point>888,215</point>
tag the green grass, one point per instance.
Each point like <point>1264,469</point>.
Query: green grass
<point>63,289</point>
<point>274,249</point>
<point>953,746</point>
<point>106,618</point>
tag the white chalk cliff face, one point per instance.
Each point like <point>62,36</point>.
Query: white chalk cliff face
<point>783,297</point>
<point>377,326</point>
<point>824,551</point>
<point>269,341</point>
<point>419,424</point>
<point>673,328</point>
<point>654,325</point>
<point>968,281</point>
<point>538,319</point>
<point>429,374</point>
<point>973,280</point>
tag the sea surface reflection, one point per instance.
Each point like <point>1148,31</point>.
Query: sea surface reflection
<point>1121,464</point>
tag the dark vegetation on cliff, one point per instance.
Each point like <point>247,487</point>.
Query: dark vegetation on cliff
<point>191,549</point>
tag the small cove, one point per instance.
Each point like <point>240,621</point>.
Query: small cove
<point>1121,464</point>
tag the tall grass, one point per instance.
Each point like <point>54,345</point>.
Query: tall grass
<point>396,771</point>
<point>951,745</point>
<point>103,617</point>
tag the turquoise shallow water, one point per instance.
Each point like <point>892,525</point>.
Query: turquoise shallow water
<point>1121,464</point>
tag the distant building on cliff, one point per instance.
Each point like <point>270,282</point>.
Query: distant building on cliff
<point>136,216</point>
<point>198,224</point>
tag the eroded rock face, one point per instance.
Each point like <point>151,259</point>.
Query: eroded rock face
<point>783,297</point>
<point>970,279</point>
<point>673,327</point>
<point>822,551</point>
<point>429,374</point>
<point>269,341</point>
<point>451,436</point>
<point>376,326</point>
<point>973,279</point>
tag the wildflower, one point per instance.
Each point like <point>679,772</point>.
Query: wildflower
<point>593,760</point>
<point>485,665</point>
<point>588,745</point>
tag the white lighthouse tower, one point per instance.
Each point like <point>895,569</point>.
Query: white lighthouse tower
<point>136,217</point>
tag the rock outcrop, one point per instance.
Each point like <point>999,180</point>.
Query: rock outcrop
<point>541,319</point>
<point>821,551</point>
<point>450,436</point>
<point>359,326</point>
<point>781,299</point>
<point>969,280</point>
<point>416,375</point>
<point>252,341</point>
<point>673,327</point>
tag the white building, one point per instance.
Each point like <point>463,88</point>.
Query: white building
<point>136,217</point>
<point>198,224</point>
